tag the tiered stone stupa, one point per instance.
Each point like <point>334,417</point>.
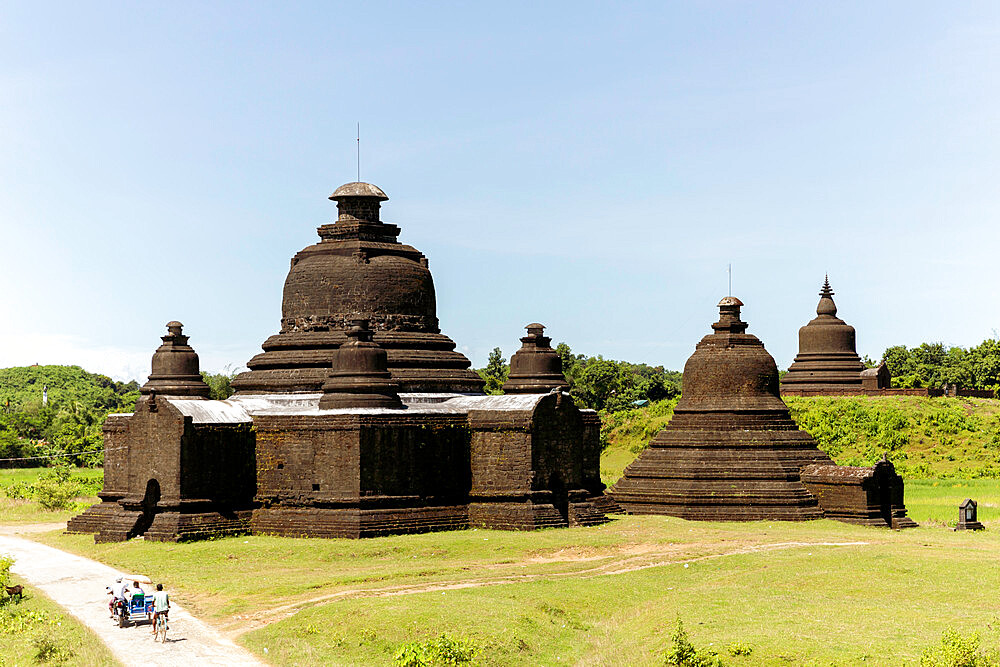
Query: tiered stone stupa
<point>175,367</point>
<point>828,358</point>
<point>358,270</point>
<point>731,451</point>
<point>360,377</point>
<point>536,368</point>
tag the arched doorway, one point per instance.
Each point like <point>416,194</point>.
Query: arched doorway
<point>149,501</point>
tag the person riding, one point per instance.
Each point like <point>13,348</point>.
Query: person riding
<point>135,593</point>
<point>161,605</point>
<point>117,591</point>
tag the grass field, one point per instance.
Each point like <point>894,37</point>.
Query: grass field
<point>37,626</point>
<point>797,593</point>
<point>28,511</point>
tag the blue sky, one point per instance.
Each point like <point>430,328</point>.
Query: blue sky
<point>592,166</point>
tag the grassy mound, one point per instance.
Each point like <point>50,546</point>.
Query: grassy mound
<point>923,437</point>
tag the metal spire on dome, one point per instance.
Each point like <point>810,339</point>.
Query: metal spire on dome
<point>826,290</point>
<point>826,305</point>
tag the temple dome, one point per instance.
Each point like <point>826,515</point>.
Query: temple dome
<point>331,289</point>
<point>359,271</point>
<point>827,358</point>
<point>730,369</point>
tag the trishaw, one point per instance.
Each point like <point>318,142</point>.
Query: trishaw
<point>138,608</point>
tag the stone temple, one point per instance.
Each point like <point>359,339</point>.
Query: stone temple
<point>828,359</point>
<point>731,452</point>
<point>359,419</point>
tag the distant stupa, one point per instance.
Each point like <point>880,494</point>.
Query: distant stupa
<point>828,357</point>
<point>731,451</point>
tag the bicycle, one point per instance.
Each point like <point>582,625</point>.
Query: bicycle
<point>160,627</point>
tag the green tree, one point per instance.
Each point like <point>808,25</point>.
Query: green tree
<point>496,372</point>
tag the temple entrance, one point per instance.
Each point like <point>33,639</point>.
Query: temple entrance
<point>560,500</point>
<point>149,501</point>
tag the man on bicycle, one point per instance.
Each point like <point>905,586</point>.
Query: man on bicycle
<point>161,605</point>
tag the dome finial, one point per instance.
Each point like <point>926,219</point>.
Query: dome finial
<point>826,305</point>
<point>826,290</point>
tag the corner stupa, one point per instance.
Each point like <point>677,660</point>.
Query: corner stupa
<point>358,270</point>
<point>828,357</point>
<point>731,451</point>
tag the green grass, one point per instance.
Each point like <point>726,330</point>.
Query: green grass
<point>29,511</point>
<point>76,645</point>
<point>599,596</point>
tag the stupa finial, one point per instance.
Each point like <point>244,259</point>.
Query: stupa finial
<point>826,290</point>
<point>826,305</point>
<point>729,317</point>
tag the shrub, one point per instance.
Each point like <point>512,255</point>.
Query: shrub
<point>682,653</point>
<point>55,488</point>
<point>956,650</point>
<point>739,648</point>
<point>48,650</point>
<point>19,491</point>
<point>442,650</point>
<point>5,564</point>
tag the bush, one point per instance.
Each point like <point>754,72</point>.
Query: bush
<point>442,650</point>
<point>56,489</point>
<point>956,650</point>
<point>48,650</point>
<point>682,653</point>
<point>19,491</point>
<point>739,648</point>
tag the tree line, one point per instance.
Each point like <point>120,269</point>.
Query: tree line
<point>934,365</point>
<point>56,413</point>
<point>596,382</point>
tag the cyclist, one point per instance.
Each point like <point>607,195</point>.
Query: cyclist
<point>161,605</point>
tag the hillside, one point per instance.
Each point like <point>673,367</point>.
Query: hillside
<point>923,437</point>
<point>21,388</point>
<point>71,421</point>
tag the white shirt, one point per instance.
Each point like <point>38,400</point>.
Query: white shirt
<point>119,589</point>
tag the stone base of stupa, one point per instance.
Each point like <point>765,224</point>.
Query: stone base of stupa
<point>535,510</point>
<point>357,522</point>
<point>188,520</point>
<point>95,517</point>
<point>723,467</point>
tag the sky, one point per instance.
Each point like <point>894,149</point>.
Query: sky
<point>592,166</point>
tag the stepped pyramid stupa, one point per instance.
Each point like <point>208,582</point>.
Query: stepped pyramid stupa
<point>731,451</point>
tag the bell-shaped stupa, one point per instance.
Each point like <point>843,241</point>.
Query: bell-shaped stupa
<point>175,368</point>
<point>360,378</point>
<point>731,451</point>
<point>358,270</point>
<point>536,368</point>
<point>828,357</point>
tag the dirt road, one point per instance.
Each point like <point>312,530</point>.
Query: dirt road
<point>78,585</point>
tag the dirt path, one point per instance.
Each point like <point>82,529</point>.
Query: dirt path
<point>639,557</point>
<point>78,585</point>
